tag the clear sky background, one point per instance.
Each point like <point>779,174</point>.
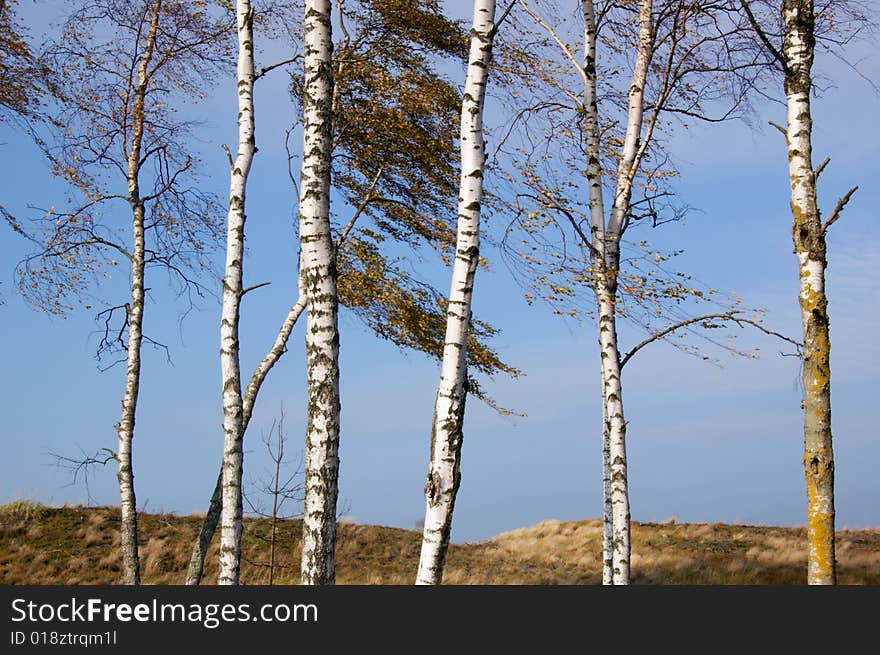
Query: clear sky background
<point>705,443</point>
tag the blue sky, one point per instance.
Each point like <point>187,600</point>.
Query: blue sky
<point>706,443</point>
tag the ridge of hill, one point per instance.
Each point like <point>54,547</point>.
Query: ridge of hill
<point>79,545</point>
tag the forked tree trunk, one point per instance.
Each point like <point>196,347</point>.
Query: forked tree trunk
<point>212,516</point>
<point>230,515</point>
<point>318,278</point>
<point>605,240</point>
<point>809,244</point>
<point>446,433</point>
<point>135,311</point>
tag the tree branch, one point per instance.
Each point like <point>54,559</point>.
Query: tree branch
<point>732,316</point>
<point>253,288</point>
<point>763,36</point>
<point>267,69</point>
<point>780,128</point>
<point>839,208</point>
<point>360,209</point>
<point>501,20</point>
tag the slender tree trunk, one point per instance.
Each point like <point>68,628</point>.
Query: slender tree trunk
<point>212,516</point>
<point>617,489</point>
<point>446,435</point>
<point>597,235</point>
<point>135,316</point>
<point>809,244</point>
<point>318,277</point>
<point>125,427</point>
<point>203,541</point>
<point>607,520</point>
<point>275,493</point>
<point>614,433</point>
<point>230,515</point>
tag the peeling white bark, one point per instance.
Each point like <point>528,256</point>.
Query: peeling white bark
<point>318,277</point>
<point>233,429</point>
<point>810,248</point>
<point>447,435</point>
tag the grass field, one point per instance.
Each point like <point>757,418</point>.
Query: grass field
<point>78,545</point>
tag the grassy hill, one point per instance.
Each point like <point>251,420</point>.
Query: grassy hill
<point>78,545</point>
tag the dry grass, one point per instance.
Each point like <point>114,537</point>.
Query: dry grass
<point>76,545</point>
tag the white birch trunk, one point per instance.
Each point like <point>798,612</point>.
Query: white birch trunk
<point>617,494</point>
<point>125,427</point>
<point>135,311</point>
<point>597,236</point>
<point>446,434</point>
<point>810,248</point>
<point>230,515</point>
<point>318,277</point>
<point>212,516</point>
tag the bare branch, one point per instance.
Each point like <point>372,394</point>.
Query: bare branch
<point>253,288</point>
<point>267,69</point>
<point>732,316</point>
<point>839,208</point>
<point>763,36</point>
<point>501,20</point>
<point>821,167</point>
<point>363,205</point>
<point>562,45</point>
<point>780,128</point>
<point>228,155</point>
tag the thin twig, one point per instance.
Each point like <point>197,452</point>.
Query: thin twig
<point>360,209</point>
<point>266,69</point>
<point>839,208</point>
<point>253,288</point>
<point>780,128</point>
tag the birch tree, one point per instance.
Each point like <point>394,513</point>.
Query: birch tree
<point>395,163</point>
<point>318,278</point>
<point>113,136</point>
<point>800,27</point>
<point>679,62</point>
<point>233,428</point>
<point>444,473</point>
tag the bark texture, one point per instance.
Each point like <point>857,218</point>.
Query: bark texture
<point>212,516</point>
<point>605,251</point>
<point>318,279</point>
<point>135,310</point>
<point>447,432</point>
<point>597,236</point>
<point>809,246</point>
<point>230,368</point>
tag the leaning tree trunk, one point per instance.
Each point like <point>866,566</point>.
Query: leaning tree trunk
<point>446,434</point>
<point>318,278</point>
<point>135,316</point>
<point>809,244</point>
<point>230,515</point>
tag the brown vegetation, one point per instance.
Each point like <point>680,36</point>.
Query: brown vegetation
<point>79,545</point>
